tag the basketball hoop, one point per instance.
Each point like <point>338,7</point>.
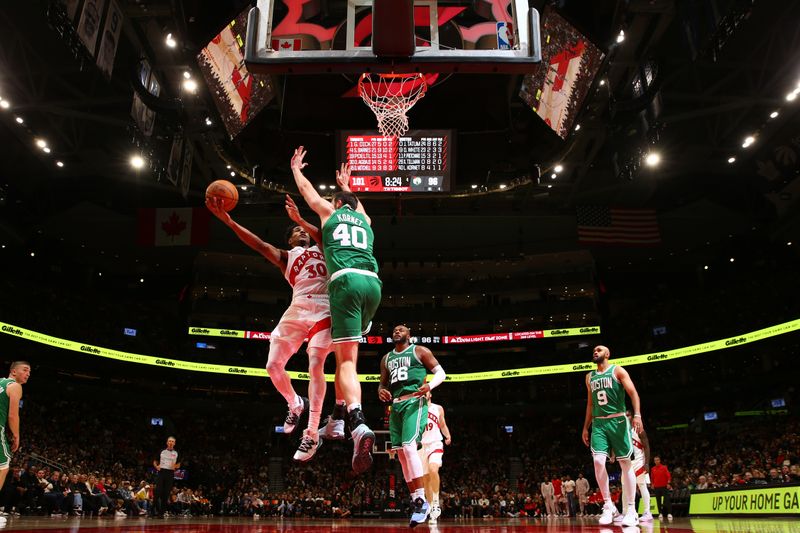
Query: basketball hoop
<point>390,96</point>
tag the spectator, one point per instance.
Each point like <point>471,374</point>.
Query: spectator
<point>662,489</point>
<point>582,492</point>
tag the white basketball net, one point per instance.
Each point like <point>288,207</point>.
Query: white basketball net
<point>390,96</point>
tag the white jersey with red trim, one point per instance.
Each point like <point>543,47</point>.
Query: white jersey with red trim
<point>306,271</point>
<point>638,447</point>
<point>432,431</point>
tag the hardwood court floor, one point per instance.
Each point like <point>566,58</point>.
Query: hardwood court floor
<point>275,525</point>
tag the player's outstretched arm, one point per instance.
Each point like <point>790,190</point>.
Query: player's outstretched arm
<point>297,218</point>
<point>429,361</point>
<point>384,393</point>
<point>587,421</point>
<point>274,255</point>
<point>343,181</point>
<point>627,383</point>
<point>318,204</point>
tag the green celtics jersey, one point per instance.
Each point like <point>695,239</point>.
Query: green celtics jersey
<point>406,372</point>
<point>348,241</point>
<point>4,383</point>
<point>608,395</point>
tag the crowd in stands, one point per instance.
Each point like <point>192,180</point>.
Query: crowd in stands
<point>103,468</point>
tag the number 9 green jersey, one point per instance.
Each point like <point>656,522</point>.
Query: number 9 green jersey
<point>348,241</point>
<point>608,394</point>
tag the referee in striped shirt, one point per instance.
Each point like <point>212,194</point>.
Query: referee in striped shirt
<point>166,467</point>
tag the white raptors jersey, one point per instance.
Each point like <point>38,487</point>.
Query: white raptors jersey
<point>306,271</point>
<point>432,431</point>
<point>638,448</point>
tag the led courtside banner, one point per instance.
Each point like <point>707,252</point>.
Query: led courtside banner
<point>423,339</point>
<point>772,500</point>
<point>582,366</point>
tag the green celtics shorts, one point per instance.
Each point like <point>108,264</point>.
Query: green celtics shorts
<point>407,421</point>
<point>612,434</point>
<point>5,449</point>
<point>354,300</point>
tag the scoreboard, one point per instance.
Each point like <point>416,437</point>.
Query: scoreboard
<point>419,161</point>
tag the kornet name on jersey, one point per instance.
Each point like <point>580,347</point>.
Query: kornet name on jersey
<point>432,431</point>
<point>306,271</point>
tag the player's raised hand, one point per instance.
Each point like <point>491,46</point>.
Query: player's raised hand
<point>215,206</point>
<point>292,210</point>
<point>297,159</point>
<point>585,436</point>
<point>343,177</point>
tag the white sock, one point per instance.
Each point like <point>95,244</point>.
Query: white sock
<point>436,498</point>
<point>297,403</point>
<point>418,493</point>
<point>353,406</point>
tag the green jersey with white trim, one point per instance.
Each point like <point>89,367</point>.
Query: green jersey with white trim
<point>348,241</point>
<point>608,394</point>
<point>4,400</point>
<point>406,372</point>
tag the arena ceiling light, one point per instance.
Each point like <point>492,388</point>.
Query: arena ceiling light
<point>473,186</point>
<point>789,97</point>
<point>749,140</point>
<point>137,161</point>
<point>233,173</point>
<point>577,127</point>
<point>60,164</point>
<point>187,74</point>
<point>652,159</point>
<point>322,187</point>
<point>46,149</point>
<point>19,120</point>
<point>190,85</point>
<point>5,104</point>
<point>41,143</point>
<point>503,185</point>
<point>170,41</point>
<point>774,114</point>
<point>553,176</point>
<point>559,168</point>
<point>731,159</point>
<point>620,36</point>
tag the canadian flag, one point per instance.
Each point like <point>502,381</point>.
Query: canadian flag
<point>173,226</point>
<point>286,45</point>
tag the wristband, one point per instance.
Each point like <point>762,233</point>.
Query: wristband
<point>637,416</point>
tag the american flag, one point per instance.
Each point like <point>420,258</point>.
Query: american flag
<point>612,225</point>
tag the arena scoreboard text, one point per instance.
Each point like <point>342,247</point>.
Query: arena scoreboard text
<point>417,162</point>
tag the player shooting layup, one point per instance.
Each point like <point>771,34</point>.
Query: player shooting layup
<point>354,289</point>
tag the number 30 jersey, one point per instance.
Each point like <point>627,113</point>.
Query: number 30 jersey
<point>406,371</point>
<point>348,241</point>
<point>306,271</point>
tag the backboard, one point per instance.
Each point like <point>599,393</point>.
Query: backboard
<point>451,36</point>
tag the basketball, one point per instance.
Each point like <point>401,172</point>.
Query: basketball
<point>225,190</point>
